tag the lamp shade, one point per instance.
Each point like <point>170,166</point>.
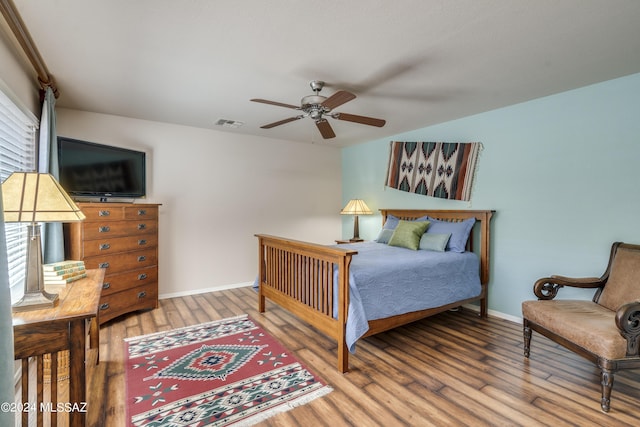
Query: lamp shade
<point>356,207</point>
<point>37,197</point>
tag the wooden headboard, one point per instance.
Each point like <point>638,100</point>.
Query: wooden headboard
<point>483,223</point>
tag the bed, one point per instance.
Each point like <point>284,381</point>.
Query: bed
<point>328,286</point>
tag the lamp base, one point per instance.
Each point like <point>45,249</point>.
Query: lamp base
<point>35,301</point>
<point>35,297</point>
<point>356,230</point>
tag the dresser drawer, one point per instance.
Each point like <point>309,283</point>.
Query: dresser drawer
<point>109,245</point>
<point>141,212</point>
<point>104,229</point>
<point>117,263</point>
<point>103,213</point>
<point>138,298</point>
<point>130,279</point>
<point>118,212</point>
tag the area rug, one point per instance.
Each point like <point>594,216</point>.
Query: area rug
<point>221,373</point>
<point>437,169</point>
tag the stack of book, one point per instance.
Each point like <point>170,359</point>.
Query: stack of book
<point>63,272</point>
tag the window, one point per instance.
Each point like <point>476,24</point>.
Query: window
<point>17,153</point>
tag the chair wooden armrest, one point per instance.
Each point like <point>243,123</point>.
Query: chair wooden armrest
<point>628,321</point>
<point>547,288</point>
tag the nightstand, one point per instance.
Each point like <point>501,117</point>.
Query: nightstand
<point>51,330</point>
<point>343,241</point>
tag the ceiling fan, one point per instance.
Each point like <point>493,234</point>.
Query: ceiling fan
<point>319,107</point>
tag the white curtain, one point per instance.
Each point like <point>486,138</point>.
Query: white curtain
<point>7,367</point>
<point>53,241</point>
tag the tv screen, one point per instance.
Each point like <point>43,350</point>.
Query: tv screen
<point>88,169</point>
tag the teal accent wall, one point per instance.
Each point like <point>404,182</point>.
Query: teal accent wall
<point>562,173</point>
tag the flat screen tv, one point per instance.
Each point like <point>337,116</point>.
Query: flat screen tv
<point>88,169</point>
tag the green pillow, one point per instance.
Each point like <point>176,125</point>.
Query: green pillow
<point>408,233</point>
<point>434,241</point>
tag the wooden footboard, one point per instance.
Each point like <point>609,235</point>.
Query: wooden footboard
<point>299,276</point>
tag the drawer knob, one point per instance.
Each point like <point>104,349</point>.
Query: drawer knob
<point>104,213</point>
<point>104,229</point>
<point>142,258</point>
<point>106,285</point>
<point>142,242</point>
<point>104,306</point>
<point>142,226</point>
<point>142,212</point>
<point>105,246</point>
<point>142,276</point>
<point>103,265</point>
<point>142,294</point>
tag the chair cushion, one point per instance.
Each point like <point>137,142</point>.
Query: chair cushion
<point>623,285</point>
<point>585,323</point>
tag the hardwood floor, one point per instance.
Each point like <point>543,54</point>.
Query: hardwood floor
<point>451,369</point>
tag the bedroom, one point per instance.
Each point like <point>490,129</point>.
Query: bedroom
<point>559,171</point>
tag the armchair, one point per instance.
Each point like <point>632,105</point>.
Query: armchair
<point>605,330</point>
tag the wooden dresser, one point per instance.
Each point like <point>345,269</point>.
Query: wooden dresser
<point>122,238</point>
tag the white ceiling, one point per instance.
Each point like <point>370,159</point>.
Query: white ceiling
<point>412,62</point>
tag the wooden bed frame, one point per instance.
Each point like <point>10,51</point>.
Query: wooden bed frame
<point>299,277</point>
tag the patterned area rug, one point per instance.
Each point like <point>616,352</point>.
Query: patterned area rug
<point>221,373</point>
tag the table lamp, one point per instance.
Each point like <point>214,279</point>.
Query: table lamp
<point>356,207</point>
<point>36,197</point>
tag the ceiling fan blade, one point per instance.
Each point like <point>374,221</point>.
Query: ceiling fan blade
<point>359,119</point>
<point>337,99</point>
<point>281,122</point>
<point>325,129</point>
<point>279,104</point>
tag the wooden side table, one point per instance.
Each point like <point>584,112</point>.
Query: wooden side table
<point>51,330</point>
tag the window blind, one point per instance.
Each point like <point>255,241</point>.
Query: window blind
<point>17,153</point>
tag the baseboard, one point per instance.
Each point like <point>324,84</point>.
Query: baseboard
<point>205,290</point>
<point>495,313</point>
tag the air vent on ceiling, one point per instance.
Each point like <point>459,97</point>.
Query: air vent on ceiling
<point>234,124</point>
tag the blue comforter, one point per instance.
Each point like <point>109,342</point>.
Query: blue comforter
<point>386,280</point>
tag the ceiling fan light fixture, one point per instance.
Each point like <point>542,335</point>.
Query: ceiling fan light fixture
<point>315,113</point>
<point>317,106</point>
<point>312,100</point>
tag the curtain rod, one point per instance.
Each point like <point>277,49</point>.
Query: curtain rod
<point>11,15</point>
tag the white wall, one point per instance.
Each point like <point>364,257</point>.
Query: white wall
<point>217,190</point>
